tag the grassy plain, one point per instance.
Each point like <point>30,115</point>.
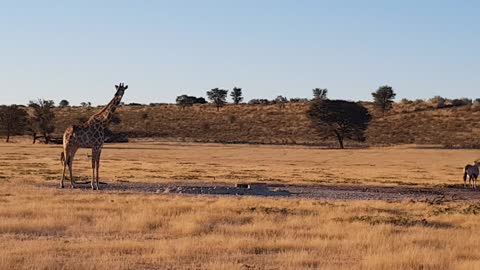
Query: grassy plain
<point>42,227</point>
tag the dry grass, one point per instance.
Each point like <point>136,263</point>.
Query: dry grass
<point>145,161</point>
<point>46,228</point>
<point>84,230</point>
<point>407,123</point>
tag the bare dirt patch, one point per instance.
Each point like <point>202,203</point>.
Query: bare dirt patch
<point>336,192</point>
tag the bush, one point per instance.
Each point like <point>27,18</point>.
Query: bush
<point>461,102</point>
<point>438,101</point>
<point>281,101</point>
<point>299,100</point>
<point>418,101</point>
<point>406,101</point>
<point>260,102</point>
<point>185,100</point>
<point>476,105</point>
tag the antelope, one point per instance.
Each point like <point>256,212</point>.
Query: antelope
<point>472,172</point>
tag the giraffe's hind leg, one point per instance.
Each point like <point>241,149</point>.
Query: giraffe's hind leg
<point>92,183</point>
<point>95,158</point>
<point>64,163</point>
<point>70,166</point>
<point>70,169</point>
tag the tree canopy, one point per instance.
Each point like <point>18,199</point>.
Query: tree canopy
<point>13,121</point>
<point>339,118</point>
<point>218,97</point>
<point>320,93</point>
<point>185,100</point>
<point>236,95</point>
<point>383,98</point>
<point>42,118</point>
<point>64,103</point>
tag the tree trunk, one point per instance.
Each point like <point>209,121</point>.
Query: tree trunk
<point>8,137</point>
<point>340,139</point>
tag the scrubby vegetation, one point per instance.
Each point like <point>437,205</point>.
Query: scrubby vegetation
<point>407,123</point>
<point>439,120</point>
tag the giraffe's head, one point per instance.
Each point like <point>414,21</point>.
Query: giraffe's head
<point>120,89</point>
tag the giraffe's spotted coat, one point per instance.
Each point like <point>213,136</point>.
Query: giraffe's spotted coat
<point>90,135</point>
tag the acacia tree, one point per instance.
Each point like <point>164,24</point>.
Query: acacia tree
<point>41,119</point>
<point>64,103</point>
<point>341,119</point>
<point>86,104</point>
<point>236,95</point>
<point>383,98</point>
<point>186,100</point>
<point>218,97</point>
<point>320,93</point>
<point>13,121</point>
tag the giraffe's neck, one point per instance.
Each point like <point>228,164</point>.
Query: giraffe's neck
<point>105,115</point>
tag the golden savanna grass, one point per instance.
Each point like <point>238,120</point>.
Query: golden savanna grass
<point>42,227</point>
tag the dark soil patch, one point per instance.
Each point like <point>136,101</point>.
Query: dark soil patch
<point>433,195</point>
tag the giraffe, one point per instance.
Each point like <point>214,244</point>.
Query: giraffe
<point>89,135</point>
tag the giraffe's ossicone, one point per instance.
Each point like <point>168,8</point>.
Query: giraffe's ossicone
<point>91,134</point>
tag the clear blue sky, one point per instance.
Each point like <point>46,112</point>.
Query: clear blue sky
<point>80,49</point>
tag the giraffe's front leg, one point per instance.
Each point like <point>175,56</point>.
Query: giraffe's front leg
<point>94,162</point>
<point>97,167</point>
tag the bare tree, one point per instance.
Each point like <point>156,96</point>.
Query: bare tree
<point>281,101</point>
<point>320,93</point>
